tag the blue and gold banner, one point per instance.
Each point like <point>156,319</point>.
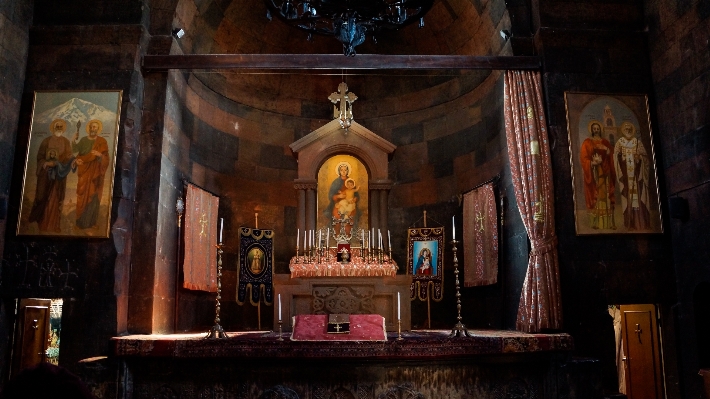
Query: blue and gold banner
<point>426,262</point>
<point>256,266</point>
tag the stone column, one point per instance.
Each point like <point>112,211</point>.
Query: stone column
<point>374,213</point>
<point>301,208</point>
<point>311,208</point>
<point>384,214</point>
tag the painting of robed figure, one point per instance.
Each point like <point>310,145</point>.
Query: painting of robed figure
<point>68,179</point>
<point>613,164</point>
<point>343,197</point>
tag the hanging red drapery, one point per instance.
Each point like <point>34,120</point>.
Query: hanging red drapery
<point>531,170</point>
<point>200,263</point>
<point>480,237</point>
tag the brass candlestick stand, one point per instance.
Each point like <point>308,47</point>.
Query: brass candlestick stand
<point>399,330</point>
<point>459,329</point>
<point>217,331</point>
<point>280,331</point>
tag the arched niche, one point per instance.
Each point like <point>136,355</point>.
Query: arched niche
<point>330,139</point>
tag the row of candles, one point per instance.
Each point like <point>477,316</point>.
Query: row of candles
<point>375,250</point>
<point>309,236</point>
<point>327,239</point>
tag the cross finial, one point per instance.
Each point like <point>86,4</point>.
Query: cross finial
<point>345,111</point>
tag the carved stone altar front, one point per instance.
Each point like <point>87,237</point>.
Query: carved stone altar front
<point>353,295</point>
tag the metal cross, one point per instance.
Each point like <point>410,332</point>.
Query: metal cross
<point>480,219</point>
<point>337,327</point>
<point>203,222</point>
<point>346,100</point>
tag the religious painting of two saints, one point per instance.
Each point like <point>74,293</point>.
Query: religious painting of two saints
<point>68,179</point>
<point>613,164</point>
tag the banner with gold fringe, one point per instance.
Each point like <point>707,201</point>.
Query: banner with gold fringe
<point>200,264</point>
<point>480,237</point>
<point>425,262</point>
<point>256,266</point>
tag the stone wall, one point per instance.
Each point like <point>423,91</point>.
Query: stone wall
<point>85,58</point>
<point>678,34</point>
<point>15,21</point>
<point>599,47</point>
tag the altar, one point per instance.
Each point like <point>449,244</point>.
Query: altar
<point>424,364</point>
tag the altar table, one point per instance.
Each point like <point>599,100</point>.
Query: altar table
<point>425,364</point>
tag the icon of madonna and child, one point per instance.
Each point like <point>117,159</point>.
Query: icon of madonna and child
<point>345,202</point>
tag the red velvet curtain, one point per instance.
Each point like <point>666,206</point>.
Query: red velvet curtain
<point>529,156</point>
<point>480,237</point>
<point>200,264</point>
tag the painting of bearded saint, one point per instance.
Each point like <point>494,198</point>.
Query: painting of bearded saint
<point>342,195</point>
<point>613,166</point>
<point>68,178</point>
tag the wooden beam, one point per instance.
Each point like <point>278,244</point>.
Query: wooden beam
<point>336,61</point>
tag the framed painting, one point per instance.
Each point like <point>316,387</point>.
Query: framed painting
<point>343,197</point>
<point>425,262</point>
<point>71,155</point>
<point>615,186</point>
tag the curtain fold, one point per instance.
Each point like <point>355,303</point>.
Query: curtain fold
<point>531,170</point>
<point>480,237</point>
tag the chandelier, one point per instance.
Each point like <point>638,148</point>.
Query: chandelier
<point>349,21</point>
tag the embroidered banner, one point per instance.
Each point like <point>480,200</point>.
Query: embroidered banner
<point>425,262</point>
<point>256,266</point>
<point>480,237</point>
<point>200,265</point>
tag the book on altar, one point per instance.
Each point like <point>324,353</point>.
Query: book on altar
<point>338,323</point>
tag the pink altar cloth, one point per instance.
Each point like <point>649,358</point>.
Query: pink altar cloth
<point>328,266</point>
<point>363,327</point>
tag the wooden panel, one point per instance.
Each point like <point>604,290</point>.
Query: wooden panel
<point>640,336</point>
<point>32,334</point>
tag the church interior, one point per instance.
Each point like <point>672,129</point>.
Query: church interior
<point>239,101</point>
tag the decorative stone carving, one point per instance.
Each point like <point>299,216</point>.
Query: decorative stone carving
<point>404,391</point>
<point>349,300</point>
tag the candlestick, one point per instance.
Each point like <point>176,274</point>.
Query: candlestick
<point>459,329</point>
<point>389,240</point>
<point>217,331</point>
<point>279,307</point>
<point>399,312</point>
<point>221,228</point>
<point>298,235</point>
<point>399,330</point>
<point>453,228</point>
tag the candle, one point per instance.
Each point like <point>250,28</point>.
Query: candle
<point>298,235</point>
<point>374,237</point>
<point>327,239</point>
<point>279,307</point>
<point>379,234</point>
<point>304,242</point>
<point>399,314</point>
<point>453,227</point>
<point>320,237</point>
<point>221,227</point>
<point>389,240</point>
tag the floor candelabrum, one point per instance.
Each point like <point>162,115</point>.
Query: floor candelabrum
<point>217,331</point>
<point>459,329</point>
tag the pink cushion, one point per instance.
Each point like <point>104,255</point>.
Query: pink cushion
<point>363,327</point>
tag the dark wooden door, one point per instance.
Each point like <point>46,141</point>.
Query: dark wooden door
<point>32,334</point>
<point>642,362</point>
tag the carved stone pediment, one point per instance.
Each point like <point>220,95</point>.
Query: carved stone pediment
<point>330,139</point>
